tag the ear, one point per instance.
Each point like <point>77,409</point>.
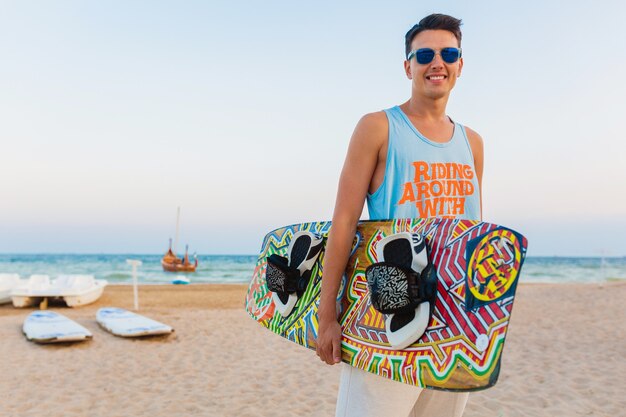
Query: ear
<point>407,69</point>
<point>460,67</point>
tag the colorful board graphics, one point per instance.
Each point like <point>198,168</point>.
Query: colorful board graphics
<point>478,266</point>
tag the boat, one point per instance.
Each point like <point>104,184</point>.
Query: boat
<point>7,283</point>
<point>74,290</point>
<point>181,280</point>
<point>172,263</point>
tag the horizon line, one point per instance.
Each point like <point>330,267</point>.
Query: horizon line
<point>248,254</point>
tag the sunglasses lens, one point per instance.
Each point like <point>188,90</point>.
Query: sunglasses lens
<point>450,55</point>
<point>424,56</point>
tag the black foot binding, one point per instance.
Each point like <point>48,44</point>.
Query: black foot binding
<point>403,286</point>
<point>288,277</point>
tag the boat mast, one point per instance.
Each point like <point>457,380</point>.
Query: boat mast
<point>177,223</point>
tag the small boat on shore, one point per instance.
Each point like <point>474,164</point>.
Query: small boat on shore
<point>74,290</point>
<point>172,263</point>
<point>181,280</point>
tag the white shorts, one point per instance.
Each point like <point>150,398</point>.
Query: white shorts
<point>364,394</point>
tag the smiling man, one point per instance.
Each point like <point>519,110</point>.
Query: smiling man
<point>408,161</point>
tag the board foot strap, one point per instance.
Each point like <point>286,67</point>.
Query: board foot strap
<point>288,277</point>
<point>403,286</point>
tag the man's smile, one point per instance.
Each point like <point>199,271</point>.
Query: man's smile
<point>436,77</point>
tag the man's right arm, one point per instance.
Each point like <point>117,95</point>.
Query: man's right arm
<point>361,161</point>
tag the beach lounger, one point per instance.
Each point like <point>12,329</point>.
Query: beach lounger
<point>7,283</point>
<point>74,290</point>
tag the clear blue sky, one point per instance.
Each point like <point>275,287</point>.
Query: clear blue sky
<point>114,113</point>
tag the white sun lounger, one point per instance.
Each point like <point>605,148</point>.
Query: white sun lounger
<point>7,283</point>
<point>75,290</point>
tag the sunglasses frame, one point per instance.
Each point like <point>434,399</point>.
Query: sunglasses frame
<point>414,52</point>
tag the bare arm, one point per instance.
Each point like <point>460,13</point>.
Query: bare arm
<point>476,143</point>
<point>361,161</point>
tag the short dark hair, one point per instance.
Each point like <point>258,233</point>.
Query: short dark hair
<point>434,21</point>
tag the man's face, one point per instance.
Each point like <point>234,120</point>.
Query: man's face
<point>437,78</point>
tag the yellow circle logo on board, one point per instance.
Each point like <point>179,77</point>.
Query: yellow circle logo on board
<point>494,265</point>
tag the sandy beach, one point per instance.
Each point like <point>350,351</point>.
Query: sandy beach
<point>565,356</point>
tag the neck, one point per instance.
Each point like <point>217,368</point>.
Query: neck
<point>426,107</point>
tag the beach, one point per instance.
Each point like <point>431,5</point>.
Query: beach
<point>565,355</point>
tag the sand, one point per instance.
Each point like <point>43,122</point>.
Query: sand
<point>565,356</point>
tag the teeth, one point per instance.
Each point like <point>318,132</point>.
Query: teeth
<point>436,77</point>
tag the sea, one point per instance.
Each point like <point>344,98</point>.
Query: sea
<point>238,269</point>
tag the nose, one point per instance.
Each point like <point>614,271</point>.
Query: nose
<point>437,61</point>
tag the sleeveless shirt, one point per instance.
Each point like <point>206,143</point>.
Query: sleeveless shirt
<point>425,178</point>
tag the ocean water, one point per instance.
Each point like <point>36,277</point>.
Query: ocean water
<point>113,268</point>
<point>239,268</point>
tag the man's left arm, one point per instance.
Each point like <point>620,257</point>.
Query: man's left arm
<point>476,143</point>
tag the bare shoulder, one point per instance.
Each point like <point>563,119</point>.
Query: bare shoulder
<point>377,120</point>
<point>475,140</point>
<point>372,129</point>
<point>476,143</point>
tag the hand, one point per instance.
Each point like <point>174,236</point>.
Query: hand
<point>329,341</point>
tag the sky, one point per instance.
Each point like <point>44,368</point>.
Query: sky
<point>113,114</point>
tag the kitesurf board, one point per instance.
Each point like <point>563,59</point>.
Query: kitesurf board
<point>50,327</point>
<point>477,268</point>
<point>125,323</point>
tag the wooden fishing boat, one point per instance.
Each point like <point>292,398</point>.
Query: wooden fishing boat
<point>173,263</point>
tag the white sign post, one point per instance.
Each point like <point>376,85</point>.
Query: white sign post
<point>135,263</point>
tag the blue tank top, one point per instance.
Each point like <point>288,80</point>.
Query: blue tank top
<point>425,178</point>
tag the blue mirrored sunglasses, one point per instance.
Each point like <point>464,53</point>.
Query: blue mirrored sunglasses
<point>426,55</point>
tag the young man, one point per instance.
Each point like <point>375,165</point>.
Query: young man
<point>401,161</point>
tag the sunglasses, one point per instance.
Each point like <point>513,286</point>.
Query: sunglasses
<point>426,55</point>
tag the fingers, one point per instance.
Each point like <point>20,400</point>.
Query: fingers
<point>323,354</point>
<point>336,351</point>
<point>329,343</point>
<point>329,351</point>
<point>327,357</point>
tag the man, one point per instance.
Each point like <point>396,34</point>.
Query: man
<point>408,161</point>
